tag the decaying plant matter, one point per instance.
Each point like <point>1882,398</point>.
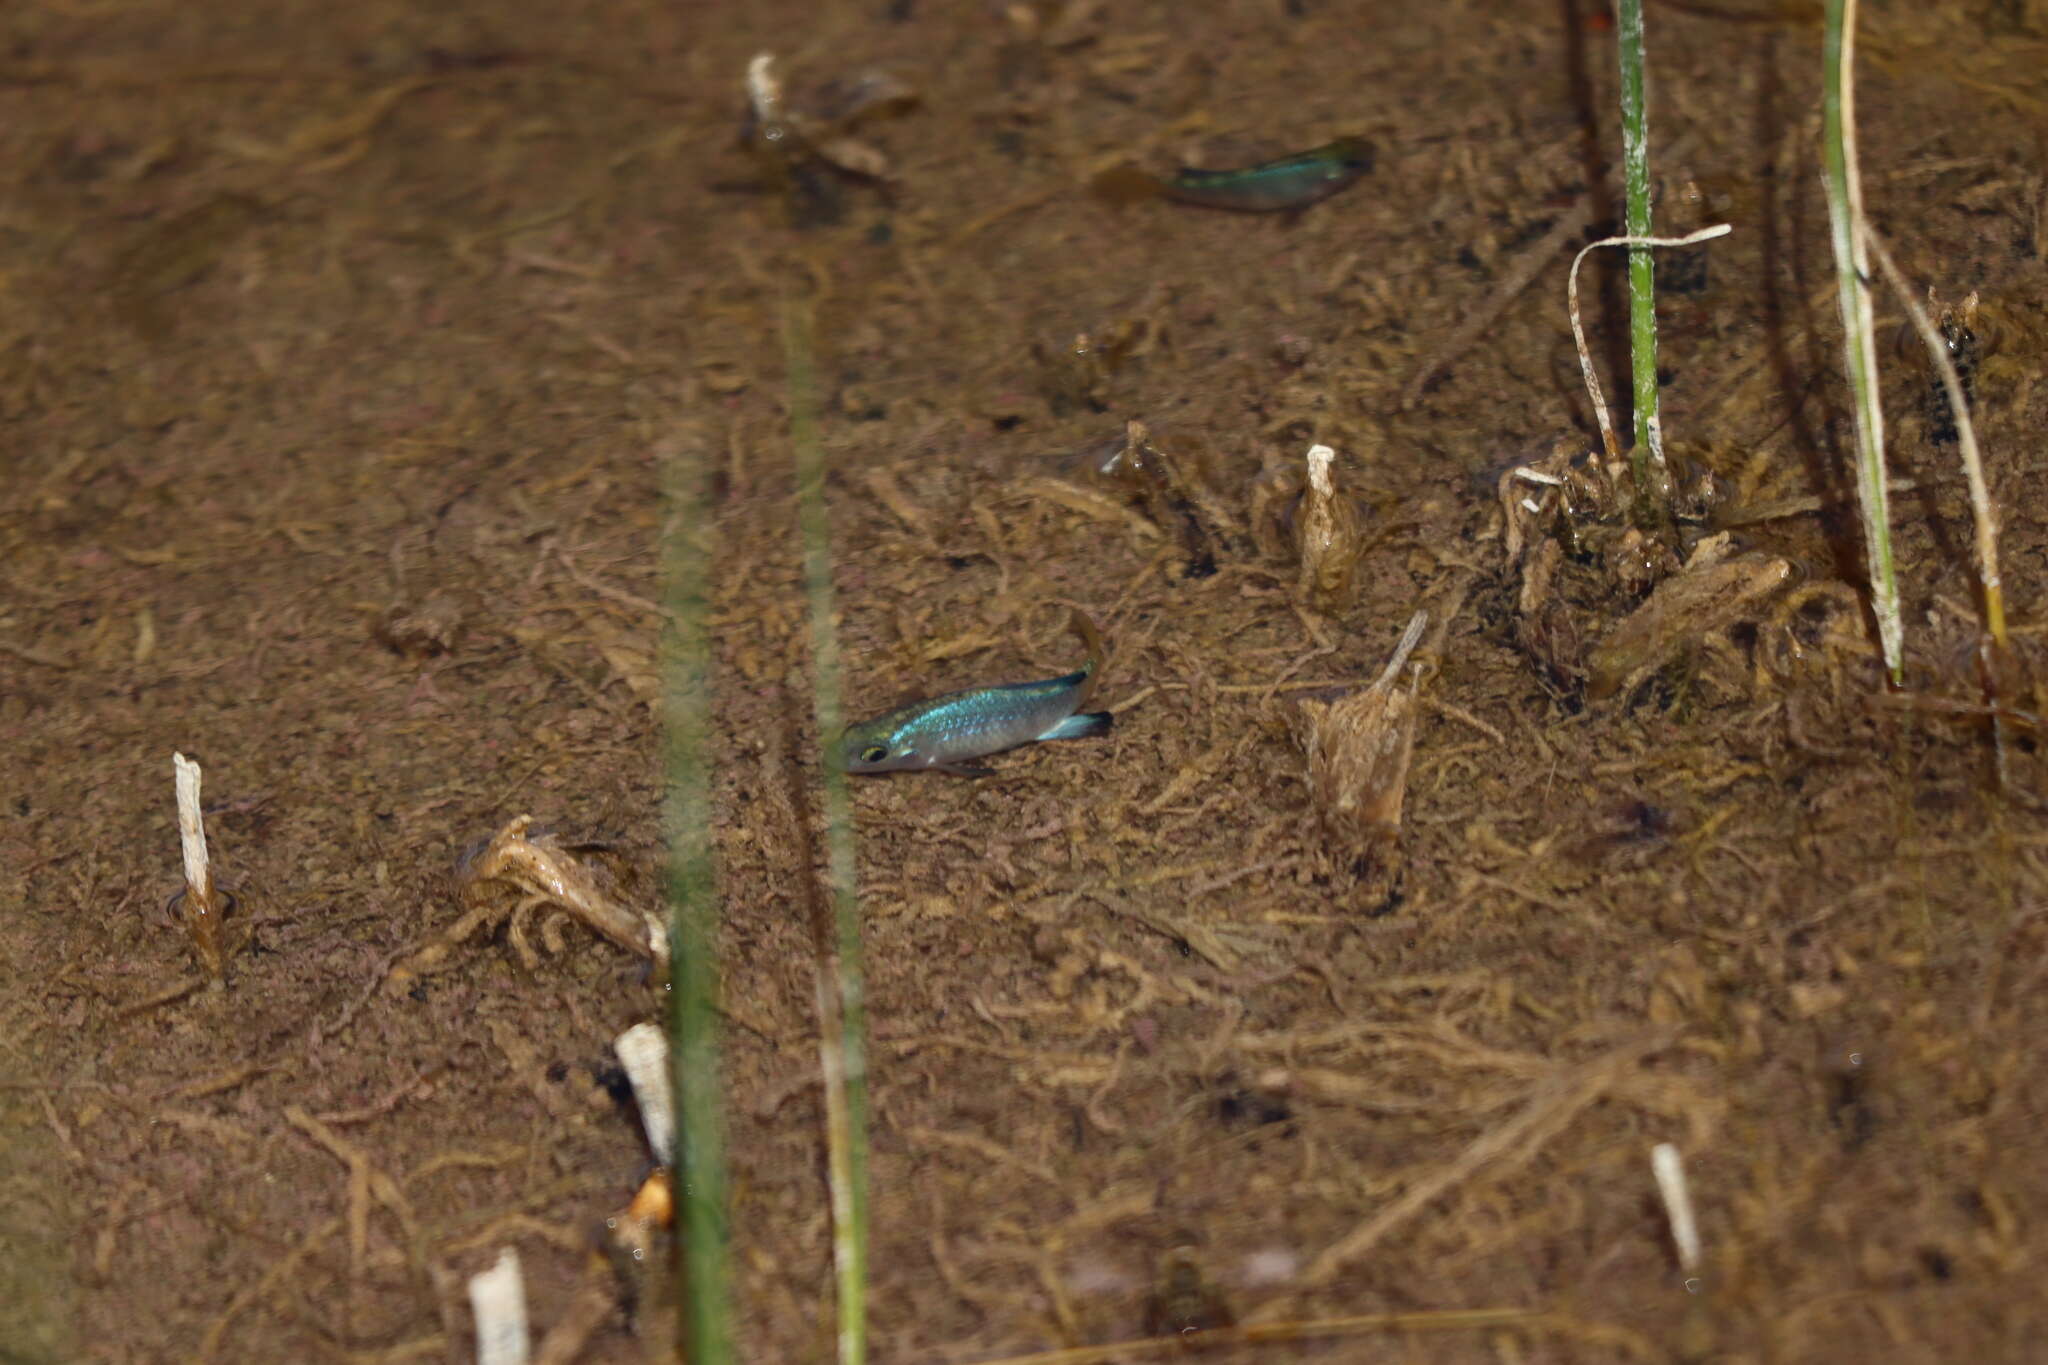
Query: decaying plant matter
<point>201,906</point>
<point>1357,750</point>
<point>1328,535</point>
<point>1163,478</point>
<point>519,873</point>
<point>1716,589</point>
<point>1579,564</point>
<point>806,143</point>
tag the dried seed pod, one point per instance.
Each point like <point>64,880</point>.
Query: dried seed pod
<point>1357,750</point>
<point>1328,533</point>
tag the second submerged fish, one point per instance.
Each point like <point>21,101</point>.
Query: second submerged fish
<point>945,732</point>
<point>1291,182</point>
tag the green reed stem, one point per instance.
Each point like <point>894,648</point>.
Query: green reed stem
<point>1647,457</point>
<point>842,1009</point>
<point>704,1283</point>
<point>1852,279</point>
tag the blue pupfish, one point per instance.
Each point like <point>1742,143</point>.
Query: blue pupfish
<point>1291,182</point>
<point>945,732</point>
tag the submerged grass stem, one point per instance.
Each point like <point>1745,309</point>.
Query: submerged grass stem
<point>704,1273</point>
<point>842,1009</point>
<point>1852,276</point>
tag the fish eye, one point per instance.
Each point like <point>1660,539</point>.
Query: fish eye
<point>874,753</point>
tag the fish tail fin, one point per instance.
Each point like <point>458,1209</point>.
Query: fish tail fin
<point>1084,726</point>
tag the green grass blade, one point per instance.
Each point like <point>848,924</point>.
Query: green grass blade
<point>1647,457</point>
<point>704,1272</point>
<point>1852,277</point>
<point>842,1009</point>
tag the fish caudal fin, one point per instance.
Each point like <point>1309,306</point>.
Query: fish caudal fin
<point>1084,726</point>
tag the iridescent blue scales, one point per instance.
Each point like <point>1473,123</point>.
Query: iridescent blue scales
<point>945,732</point>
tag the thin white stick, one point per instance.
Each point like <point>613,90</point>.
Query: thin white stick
<point>1685,1233</point>
<point>192,832</point>
<point>643,1052</point>
<point>1571,291</point>
<point>498,1298</point>
<point>1409,639</point>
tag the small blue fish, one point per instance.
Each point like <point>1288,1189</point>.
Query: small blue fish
<point>944,732</point>
<point>1289,183</point>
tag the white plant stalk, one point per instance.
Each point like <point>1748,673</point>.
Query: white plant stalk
<point>498,1298</point>
<point>1669,1171</point>
<point>643,1054</point>
<point>192,831</point>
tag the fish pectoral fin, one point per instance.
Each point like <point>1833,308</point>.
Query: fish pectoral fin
<point>963,770</point>
<point>1083,726</point>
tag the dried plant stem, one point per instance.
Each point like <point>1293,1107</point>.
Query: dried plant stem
<point>1966,438</point>
<point>1647,455</point>
<point>1852,275</point>
<point>842,1010</point>
<point>704,1276</point>
<point>200,906</point>
<point>1571,291</point>
<point>1668,1168</point>
<point>497,1298</point>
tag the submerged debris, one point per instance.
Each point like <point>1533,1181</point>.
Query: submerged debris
<point>540,870</point>
<point>1079,374</point>
<point>1580,563</point>
<point>202,905</point>
<point>1357,749</point>
<point>1328,536</point>
<point>1173,493</point>
<point>807,150</point>
<point>1716,589</point>
<point>1183,1302</point>
<point>423,629</point>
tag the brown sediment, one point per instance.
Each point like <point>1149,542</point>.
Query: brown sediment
<point>340,366</point>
